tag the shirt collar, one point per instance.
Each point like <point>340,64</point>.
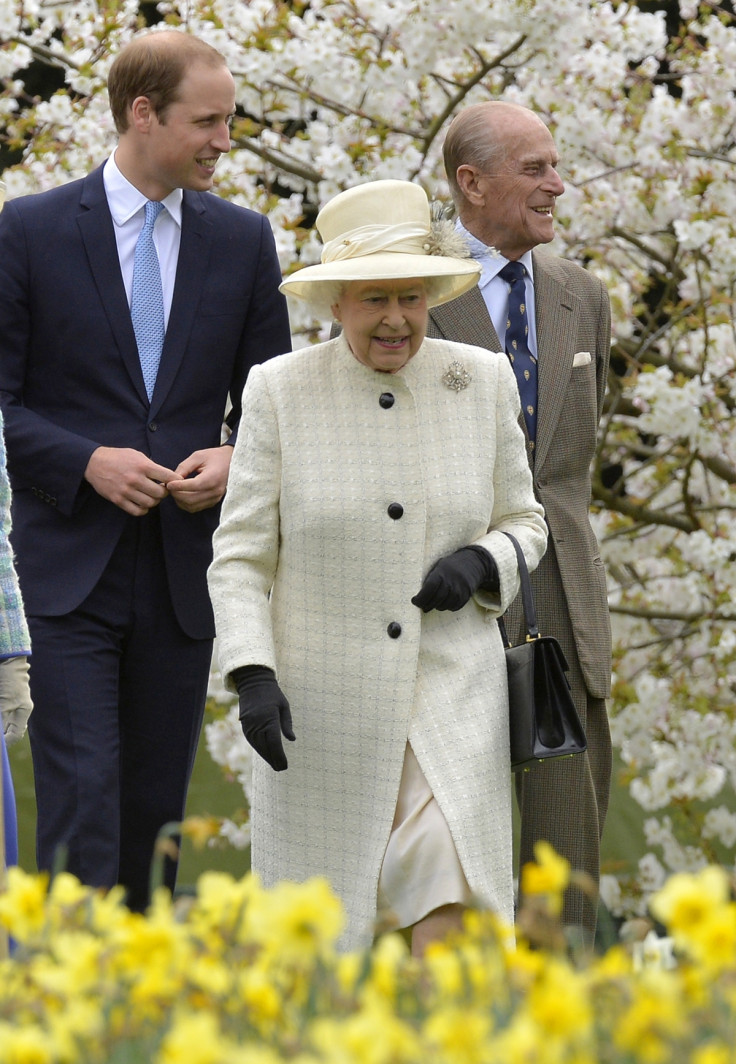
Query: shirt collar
<point>125,200</point>
<point>491,262</point>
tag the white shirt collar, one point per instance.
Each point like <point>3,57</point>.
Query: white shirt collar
<point>125,200</point>
<point>490,260</point>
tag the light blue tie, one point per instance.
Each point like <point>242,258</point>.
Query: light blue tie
<point>147,299</point>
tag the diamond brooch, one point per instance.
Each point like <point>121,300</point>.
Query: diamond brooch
<point>457,377</point>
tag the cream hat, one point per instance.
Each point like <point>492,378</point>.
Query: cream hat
<point>381,231</point>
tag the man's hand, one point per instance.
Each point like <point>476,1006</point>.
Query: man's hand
<point>128,478</point>
<point>200,480</point>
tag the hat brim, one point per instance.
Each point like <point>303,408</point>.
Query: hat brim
<point>450,277</point>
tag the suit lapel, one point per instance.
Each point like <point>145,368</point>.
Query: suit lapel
<point>98,235</point>
<point>466,321</point>
<point>556,311</point>
<point>191,270</point>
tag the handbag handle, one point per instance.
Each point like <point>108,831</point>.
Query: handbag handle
<point>527,598</point>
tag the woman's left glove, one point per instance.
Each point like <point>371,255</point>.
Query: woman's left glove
<point>452,580</point>
<point>15,698</point>
<point>264,713</point>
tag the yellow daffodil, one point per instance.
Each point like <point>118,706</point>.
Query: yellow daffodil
<point>390,956</point>
<point>221,905</point>
<point>700,915</point>
<point>459,1035</point>
<point>78,1030</point>
<point>26,1045</point>
<point>686,900</point>
<point>373,1035</point>
<point>713,1053</point>
<point>655,1020</point>
<point>200,830</point>
<point>193,1039</point>
<point>23,904</point>
<point>447,971</point>
<point>300,920</point>
<point>260,997</point>
<point>548,875</point>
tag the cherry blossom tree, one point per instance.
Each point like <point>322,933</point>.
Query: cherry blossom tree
<point>642,107</point>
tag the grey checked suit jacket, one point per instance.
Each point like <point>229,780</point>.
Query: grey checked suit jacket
<point>573,315</point>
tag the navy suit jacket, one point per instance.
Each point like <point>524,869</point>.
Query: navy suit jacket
<point>70,379</point>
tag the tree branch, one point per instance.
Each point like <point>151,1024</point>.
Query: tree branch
<point>486,65</point>
<point>647,613</point>
<point>45,55</point>
<point>279,160</point>
<point>641,514</point>
<point>341,108</point>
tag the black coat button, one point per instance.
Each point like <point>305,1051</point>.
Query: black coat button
<point>394,629</point>
<point>153,426</point>
<point>395,511</point>
<point>386,400</point>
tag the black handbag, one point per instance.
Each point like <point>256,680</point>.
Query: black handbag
<point>542,716</point>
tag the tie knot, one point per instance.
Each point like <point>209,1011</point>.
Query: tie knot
<point>512,272</point>
<point>153,208</point>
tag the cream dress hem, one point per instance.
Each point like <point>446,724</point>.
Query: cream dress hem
<point>421,870</point>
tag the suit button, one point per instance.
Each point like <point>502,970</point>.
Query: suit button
<point>395,511</point>
<point>153,425</point>
<point>394,630</point>
<point>386,400</point>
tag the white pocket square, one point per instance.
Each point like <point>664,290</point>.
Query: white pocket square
<point>581,358</point>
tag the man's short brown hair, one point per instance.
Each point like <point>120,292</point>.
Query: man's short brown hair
<point>154,66</point>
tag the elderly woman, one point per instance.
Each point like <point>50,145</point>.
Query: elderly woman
<point>359,568</point>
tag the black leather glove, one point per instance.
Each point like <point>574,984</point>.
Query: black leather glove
<point>452,580</point>
<point>264,713</point>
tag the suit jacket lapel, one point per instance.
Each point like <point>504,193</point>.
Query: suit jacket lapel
<point>466,321</point>
<point>98,235</point>
<point>556,309</point>
<point>191,270</point>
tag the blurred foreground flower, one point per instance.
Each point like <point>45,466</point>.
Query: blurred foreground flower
<point>238,974</point>
<point>549,876</point>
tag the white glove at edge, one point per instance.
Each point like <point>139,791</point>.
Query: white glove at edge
<point>15,698</point>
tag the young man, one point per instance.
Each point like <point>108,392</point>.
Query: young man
<point>132,304</point>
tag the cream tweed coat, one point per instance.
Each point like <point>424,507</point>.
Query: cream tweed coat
<point>310,571</point>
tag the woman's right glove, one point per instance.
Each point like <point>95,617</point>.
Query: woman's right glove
<point>264,713</point>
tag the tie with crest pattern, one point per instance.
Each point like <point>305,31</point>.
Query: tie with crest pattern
<point>517,348</point>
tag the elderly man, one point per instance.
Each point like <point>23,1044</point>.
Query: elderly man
<point>553,319</point>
